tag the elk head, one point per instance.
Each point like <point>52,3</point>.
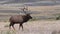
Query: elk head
<point>27,14</point>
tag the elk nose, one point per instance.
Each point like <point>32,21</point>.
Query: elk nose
<point>31,17</point>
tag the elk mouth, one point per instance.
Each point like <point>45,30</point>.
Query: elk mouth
<point>30,17</point>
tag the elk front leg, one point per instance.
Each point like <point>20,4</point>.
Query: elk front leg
<point>21,25</point>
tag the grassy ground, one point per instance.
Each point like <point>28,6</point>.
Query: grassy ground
<point>33,27</point>
<point>33,8</point>
<point>43,23</point>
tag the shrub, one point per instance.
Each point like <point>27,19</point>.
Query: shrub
<point>57,18</point>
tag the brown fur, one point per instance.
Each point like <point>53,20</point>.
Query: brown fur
<point>19,19</point>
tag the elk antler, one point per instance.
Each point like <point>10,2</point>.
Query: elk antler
<point>24,10</point>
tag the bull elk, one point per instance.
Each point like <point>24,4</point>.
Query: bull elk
<point>19,19</point>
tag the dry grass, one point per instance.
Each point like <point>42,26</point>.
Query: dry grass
<point>34,27</point>
<point>33,8</point>
<point>43,8</point>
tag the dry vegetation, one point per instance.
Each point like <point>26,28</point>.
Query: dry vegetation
<point>33,8</point>
<point>36,26</point>
<point>43,8</point>
<point>33,27</point>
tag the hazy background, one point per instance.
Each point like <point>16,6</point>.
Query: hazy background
<point>29,2</point>
<point>42,9</point>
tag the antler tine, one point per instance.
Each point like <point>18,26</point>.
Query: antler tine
<point>25,8</point>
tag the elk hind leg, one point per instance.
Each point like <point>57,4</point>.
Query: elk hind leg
<point>11,24</point>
